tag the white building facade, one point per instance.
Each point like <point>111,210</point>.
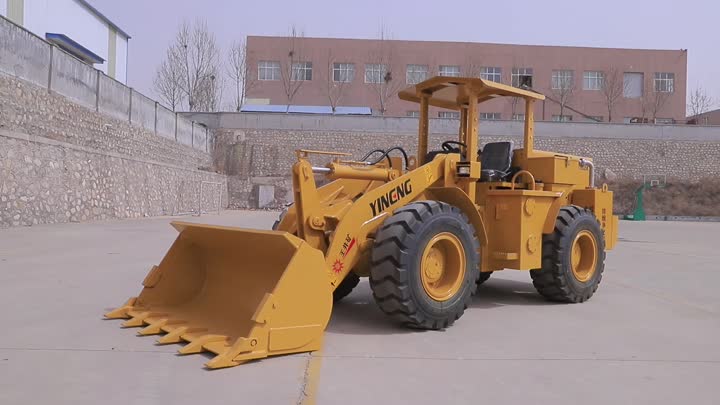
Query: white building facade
<point>76,27</point>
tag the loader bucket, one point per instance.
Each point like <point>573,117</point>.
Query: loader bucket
<point>239,293</point>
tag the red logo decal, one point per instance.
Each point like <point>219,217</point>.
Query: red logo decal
<point>337,266</point>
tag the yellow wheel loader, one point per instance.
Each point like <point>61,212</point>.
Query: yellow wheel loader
<point>425,229</point>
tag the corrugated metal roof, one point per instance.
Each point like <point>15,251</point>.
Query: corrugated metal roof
<point>73,47</point>
<point>305,109</point>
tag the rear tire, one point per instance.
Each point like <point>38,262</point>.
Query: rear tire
<point>573,257</point>
<point>425,265</point>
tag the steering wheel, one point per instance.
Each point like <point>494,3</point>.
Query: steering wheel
<point>447,146</point>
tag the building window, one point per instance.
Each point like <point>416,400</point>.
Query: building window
<point>664,121</point>
<point>491,73</point>
<point>665,82</point>
<point>302,71</point>
<point>375,73</point>
<point>562,118</point>
<point>518,117</point>
<point>563,79</point>
<point>343,72</point>
<point>449,114</point>
<point>268,70</point>
<point>490,116</point>
<point>449,70</point>
<point>413,114</point>
<point>633,85</point>
<point>416,73</point>
<point>522,77</point>
<point>593,80</point>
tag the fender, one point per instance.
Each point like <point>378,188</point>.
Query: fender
<point>553,212</point>
<point>457,197</point>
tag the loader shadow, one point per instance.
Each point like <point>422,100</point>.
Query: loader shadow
<point>498,292</point>
<point>357,314</point>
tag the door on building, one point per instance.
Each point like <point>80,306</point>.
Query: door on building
<point>633,85</point>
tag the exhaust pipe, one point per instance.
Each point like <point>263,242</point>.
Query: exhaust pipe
<point>587,163</point>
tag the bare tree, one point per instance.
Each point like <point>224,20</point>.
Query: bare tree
<point>192,63</point>
<point>513,102</point>
<point>237,69</point>
<point>563,88</point>
<point>472,68</point>
<point>292,72</point>
<point>210,92</point>
<point>700,103</point>
<point>383,76</point>
<point>168,79</point>
<point>613,86</point>
<point>334,81</point>
<point>652,104</point>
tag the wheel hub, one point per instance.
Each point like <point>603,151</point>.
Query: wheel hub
<point>583,256</point>
<point>442,268</point>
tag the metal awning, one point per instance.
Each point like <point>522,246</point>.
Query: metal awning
<point>74,48</point>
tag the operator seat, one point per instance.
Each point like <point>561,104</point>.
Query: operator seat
<point>495,161</point>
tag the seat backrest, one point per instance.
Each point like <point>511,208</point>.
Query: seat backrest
<point>496,156</point>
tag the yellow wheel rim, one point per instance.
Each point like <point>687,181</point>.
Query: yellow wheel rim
<point>442,268</point>
<point>583,256</point>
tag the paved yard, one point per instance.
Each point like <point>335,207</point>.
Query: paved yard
<point>651,335</point>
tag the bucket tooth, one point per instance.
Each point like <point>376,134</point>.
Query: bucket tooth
<point>222,361</point>
<point>196,346</point>
<point>139,319</point>
<point>122,312</point>
<point>174,336</point>
<point>155,326</point>
<point>136,320</point>
<point>227,358</point>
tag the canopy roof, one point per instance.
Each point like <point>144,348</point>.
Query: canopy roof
<point>453,92</point>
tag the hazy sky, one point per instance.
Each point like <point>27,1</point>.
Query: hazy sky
<point>655,24</point>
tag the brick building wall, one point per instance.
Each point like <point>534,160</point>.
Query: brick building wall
<point>470,59</point>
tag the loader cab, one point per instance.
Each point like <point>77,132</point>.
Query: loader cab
<point>495,162</point>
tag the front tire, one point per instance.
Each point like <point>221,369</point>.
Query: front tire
<point>425,265</point>
<point>484,276</point>
<point>573,257</point>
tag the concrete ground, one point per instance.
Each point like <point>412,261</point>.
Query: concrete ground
<point>649,336</point>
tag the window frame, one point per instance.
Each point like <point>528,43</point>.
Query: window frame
<point>519,73</point>
<point>456,69</point>
<point>490,116</point>
<point>596,77</point>
<point>301,72</point>
<point>449,115</point>
<point>486,72</point>
<point>560,77</point>
<point>346,68</point>
<point>410,69</point>
<point>561,118</point>
<point>264,66</point>
<point>664,82</point>
<point>375,68</point>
